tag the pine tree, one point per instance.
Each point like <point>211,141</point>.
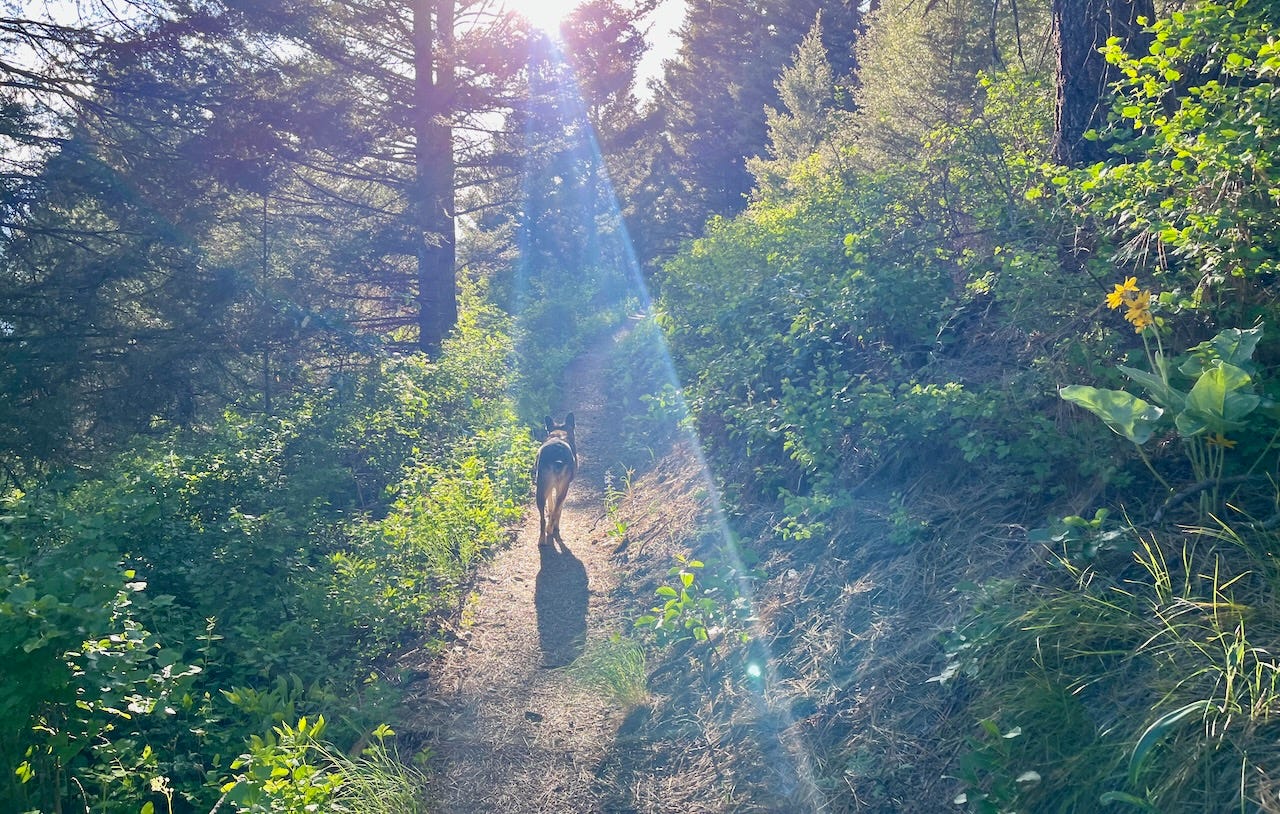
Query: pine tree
<point>1080,29</point>
<point>709,107</point>
<point>809,117</point>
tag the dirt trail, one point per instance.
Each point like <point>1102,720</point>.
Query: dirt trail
<point>508,731</point>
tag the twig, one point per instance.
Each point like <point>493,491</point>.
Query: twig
<point>1197,488</point>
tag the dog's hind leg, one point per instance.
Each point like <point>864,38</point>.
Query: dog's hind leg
<point>550,498</point>
<point>542,512</point>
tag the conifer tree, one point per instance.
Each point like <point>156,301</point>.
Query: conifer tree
<point>1080,29</point>
<point>809,116</point>
<point>709,107</point>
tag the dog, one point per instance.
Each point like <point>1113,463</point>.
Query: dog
<point>554,468</point>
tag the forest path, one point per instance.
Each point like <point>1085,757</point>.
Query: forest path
<point>509,732</point>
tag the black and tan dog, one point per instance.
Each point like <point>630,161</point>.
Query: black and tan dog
<point>554,468</point>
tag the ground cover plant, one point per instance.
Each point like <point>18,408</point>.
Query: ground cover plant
<point>900,386</point>
<point>990,515</point>
<point>249,577</point>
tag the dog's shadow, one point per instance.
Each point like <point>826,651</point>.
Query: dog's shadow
<point>560,599</point>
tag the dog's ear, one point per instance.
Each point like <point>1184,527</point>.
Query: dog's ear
<point>568,421</point>
<point>551,425</point>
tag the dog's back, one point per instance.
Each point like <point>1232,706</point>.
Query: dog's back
<point>554,468</point>
<point>556,459</point>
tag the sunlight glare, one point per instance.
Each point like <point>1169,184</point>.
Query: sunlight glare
<point>544,15</point>
<point>605,247</point>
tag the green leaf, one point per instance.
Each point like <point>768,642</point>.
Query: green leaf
<point>1269,408</point>
<point>1232,346</point>
<point>1215,403</point>
<point>1158,729</point>
<point>666,590</point>
<point>1160,391</point>
<point>1126,414</point>
<point>1124,797</point>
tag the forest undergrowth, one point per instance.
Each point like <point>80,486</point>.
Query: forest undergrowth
<point>946,480</point>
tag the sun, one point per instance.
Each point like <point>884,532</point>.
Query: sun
<point>544,15</point>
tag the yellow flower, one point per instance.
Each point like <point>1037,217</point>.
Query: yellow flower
<point>1119,296</point>
<point>1218,440</point>
<point>1141,319</point>
<point>1139,310</point>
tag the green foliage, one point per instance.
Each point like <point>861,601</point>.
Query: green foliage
<point>642,383</point>
<point>1064,667</point>
<point>1190,202</point>
<point>87,677</point>
<point>1203,395</point>
<point>702,605</point>
<point>808,117</point>
<point>856,327</point>
<point>1079,541</point>
<point>277,773</point>
<point>899,316</point>
<point>294,769</point>
<point>711,107</point>
<point>614,667</point>
<point>614,494</point>
<point>1129,416</point>
<point>1196,123</point>
<point>164,610</point>
<point>990,755</point>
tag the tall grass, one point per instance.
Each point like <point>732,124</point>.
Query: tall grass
<point>614,667</point>
<point>1150,685</point>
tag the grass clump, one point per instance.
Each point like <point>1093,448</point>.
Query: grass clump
<point>1146,685</point>
<point>614,667</point>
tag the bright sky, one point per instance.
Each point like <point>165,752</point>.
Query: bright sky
<point>664,22</point>
<point>662,41</point>
<point>546,14</point>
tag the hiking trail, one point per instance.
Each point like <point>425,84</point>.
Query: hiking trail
<point>507,729</point>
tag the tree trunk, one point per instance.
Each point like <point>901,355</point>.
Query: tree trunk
<point>431,196</point>
<point>1080,28</point>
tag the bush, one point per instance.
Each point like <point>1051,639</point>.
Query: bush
<point>163,611</point>
<point>863,328</point>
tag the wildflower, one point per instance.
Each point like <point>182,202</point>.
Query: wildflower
<point>1136,301</point>
<point>1139,311</point>
<point>1121,293</point>
<point>1219,440</point>
<point>1141,320</point>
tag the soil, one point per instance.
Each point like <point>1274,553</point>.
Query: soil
<point>507,729</point>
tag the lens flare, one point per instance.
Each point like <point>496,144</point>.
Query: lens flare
<point>567,189</point>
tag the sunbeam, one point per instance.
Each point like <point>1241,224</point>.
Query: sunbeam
<point>570,181</point>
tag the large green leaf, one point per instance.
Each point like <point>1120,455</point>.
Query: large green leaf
<point>1232,347</point>
<point>1123,412</point>
<point>1216,403</point>
<point>1157,387</point>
